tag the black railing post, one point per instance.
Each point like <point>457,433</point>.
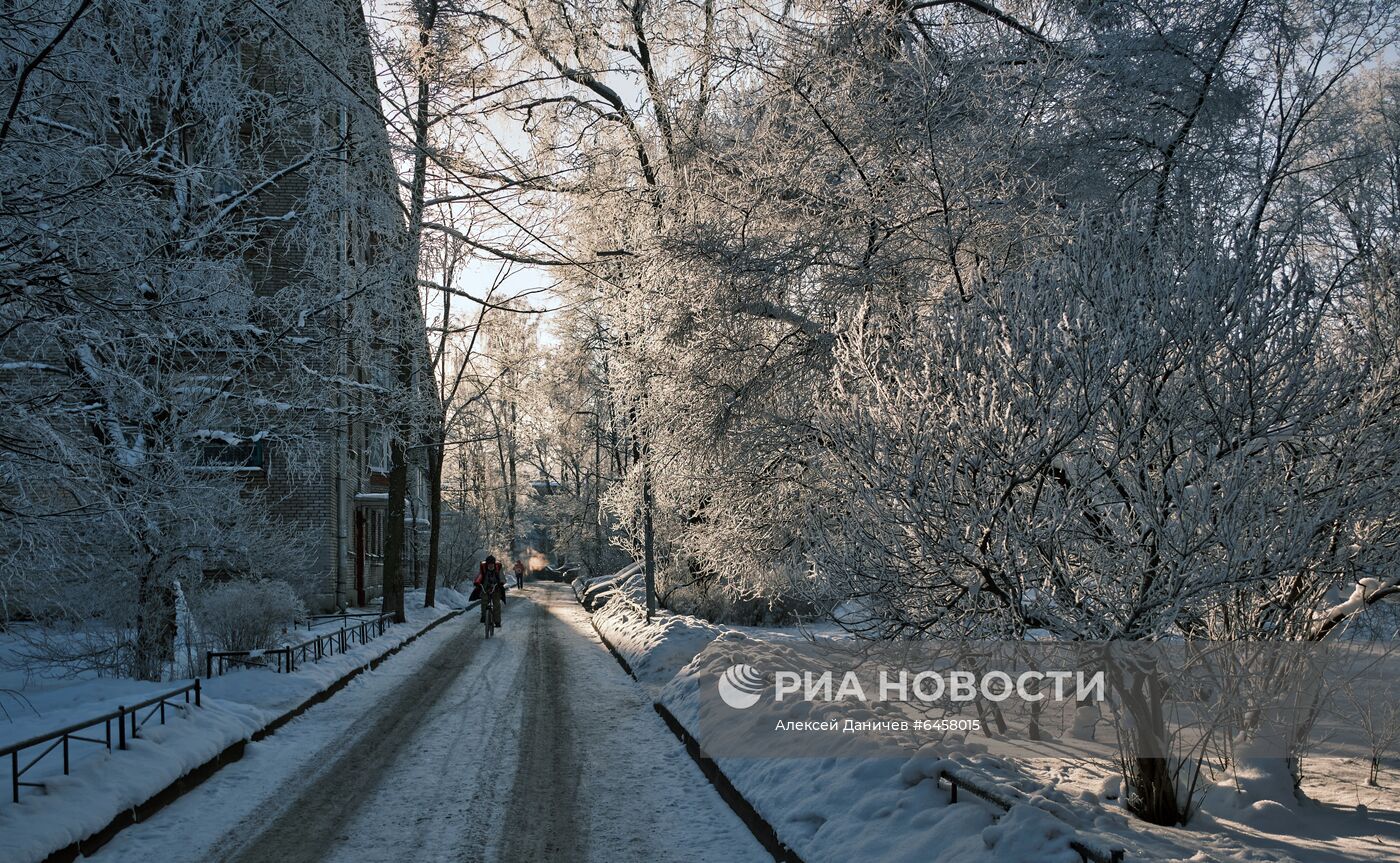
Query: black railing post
<point>196,692</point>
<point>65,755</point>
<point>209,664</point>
<point>121,727</point>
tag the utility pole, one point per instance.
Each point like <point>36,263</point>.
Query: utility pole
<point>597,490</point>
<point>641,459</point>
<point>597,486</point>
<point>648,541</point>
<point>641,456</point>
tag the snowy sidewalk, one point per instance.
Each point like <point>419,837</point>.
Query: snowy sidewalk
<point>104,786</point>
<point>533,745</point>
<point>843,807</point>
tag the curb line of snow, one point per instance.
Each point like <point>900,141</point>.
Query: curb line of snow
<point>758,826</point>
<point>273,726</point>
<point>1088,848</point>
<point>191,780</point>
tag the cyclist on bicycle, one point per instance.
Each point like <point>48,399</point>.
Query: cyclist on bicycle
<point>493,590</point>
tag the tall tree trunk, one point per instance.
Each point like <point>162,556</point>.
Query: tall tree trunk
<point>597,492</point>
<point>398,486</point>
<point>511,458</point>
<point>648,542</point>
<point>155,619</point>
<point>155,627</point>
<point>435,458</point>
<point>393,532</point>
<point>407,338</point>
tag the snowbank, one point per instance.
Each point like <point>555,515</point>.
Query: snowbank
<point>656,650</point>
<point>595,592</point>
<point>274,694</point>
<point>847,805</point>
<point>844,806</point>
<point>835,808</point>
<point>102,785</point>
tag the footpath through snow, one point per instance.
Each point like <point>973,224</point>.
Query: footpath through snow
<point>102,785</point>
<point>532,745</point>
<point>892,809</point>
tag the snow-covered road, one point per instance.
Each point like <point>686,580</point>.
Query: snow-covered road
<point>533,745</point>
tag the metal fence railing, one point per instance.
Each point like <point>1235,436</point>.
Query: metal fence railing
<point>286,659</point>
<point>218,662</point>
<point>330,643</point>
<point>314,620</point>
<point>114,729</point>
<point>127,722</point>
<point>1004,799</point>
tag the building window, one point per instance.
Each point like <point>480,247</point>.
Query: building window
<point>378,451</point>
<point>374,547</point>
<point>227,452</point>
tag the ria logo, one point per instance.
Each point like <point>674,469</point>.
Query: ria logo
<point>740,686</point>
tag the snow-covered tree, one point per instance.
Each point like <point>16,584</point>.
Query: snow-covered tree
<point>180,295</point>
<point>988,319</point>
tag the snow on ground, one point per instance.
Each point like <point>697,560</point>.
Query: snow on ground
<point>532,745</point>
<point>891,809</point>
<point>102,784</point>
<point>653,650</point>
<point>249,793</point>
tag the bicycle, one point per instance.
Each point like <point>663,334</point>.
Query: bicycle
<point>489,614</point>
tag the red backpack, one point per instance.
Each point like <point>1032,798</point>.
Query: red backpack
<point>489,567</point>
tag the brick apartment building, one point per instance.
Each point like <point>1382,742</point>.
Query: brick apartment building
<point>235,348</point>
<point>337,501</point>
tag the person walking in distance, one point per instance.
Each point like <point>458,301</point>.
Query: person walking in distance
<point>493,590</point>
<point>519,574</point>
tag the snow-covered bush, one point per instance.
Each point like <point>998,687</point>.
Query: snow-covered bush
<point>1142,437</point>
<point>767,598</point>
<point>1379,722</point>
<point>247,615</point>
